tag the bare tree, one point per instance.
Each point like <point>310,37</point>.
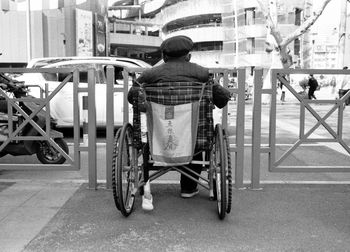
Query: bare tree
<point>280,43</point>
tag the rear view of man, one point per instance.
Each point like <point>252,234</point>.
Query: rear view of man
<point>178,68</point>
<point>313,84</point>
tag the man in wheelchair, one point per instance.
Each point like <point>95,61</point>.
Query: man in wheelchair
<point>178,68</point>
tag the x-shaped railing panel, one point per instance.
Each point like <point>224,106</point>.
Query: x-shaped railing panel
<point>29,119</point>
<point>338,104</point>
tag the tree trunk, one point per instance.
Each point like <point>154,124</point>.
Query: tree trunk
<point>342,33</point>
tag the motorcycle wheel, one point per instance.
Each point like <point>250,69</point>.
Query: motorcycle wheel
<point>49,155</point>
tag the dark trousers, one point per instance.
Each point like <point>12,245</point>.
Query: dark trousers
<point>187,183</point>
<point>311,93</point>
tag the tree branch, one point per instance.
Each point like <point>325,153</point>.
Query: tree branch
<point>298,32</point>
<point>305,26</point>
<point>269,22</point>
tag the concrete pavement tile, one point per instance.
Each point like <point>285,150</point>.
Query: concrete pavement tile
<point>15,198</point>
<point>4,211</point>
<point>18,194</point>
<point>11,245</point>
<point>52,195</point>
<point>27,207</point>
<point>22,225</point>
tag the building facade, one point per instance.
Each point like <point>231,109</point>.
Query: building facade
<point>225,34</point>
<point>52,30</point>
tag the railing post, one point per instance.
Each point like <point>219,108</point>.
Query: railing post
<point>240,118</point>
<point>109,125</point>
<point>76,119</point>
<point>256,129</point>
<point>92,130</point>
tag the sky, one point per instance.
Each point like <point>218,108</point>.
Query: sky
<point>330,16</point>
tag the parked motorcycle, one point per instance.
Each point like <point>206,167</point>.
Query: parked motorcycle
<point>45,153</point>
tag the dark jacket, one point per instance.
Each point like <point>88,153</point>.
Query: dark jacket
<point>313,84</point>
<point>180,70</point>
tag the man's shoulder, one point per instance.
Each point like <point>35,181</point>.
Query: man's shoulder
<point>149,72</point>
<point>198,66</point>
<point>152,69</point>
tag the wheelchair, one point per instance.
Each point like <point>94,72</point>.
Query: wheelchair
<point>135,160</point>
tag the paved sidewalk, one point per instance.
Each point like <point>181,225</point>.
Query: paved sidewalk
<point>26,207</point>
<point>69,217</point>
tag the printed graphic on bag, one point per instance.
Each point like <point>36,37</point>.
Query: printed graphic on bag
<point>169,112</point>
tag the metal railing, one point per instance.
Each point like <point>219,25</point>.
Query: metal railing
<point>304,137</point>
<point>72,163</point>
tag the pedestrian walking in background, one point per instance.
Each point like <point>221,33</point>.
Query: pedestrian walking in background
<point>313,84</point>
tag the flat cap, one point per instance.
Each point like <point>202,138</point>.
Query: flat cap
<point>176,46</point>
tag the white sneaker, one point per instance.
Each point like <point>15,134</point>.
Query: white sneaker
<point>147,202</point>
<point>147,199</point>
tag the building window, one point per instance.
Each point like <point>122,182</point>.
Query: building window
<point>249,16</point>
<point>250,46</point>
<point>208,46</point>
<point>297,46</point>
<point>297,16</point>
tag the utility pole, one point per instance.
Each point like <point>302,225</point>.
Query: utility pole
<point>342,33</point>
<point>236,33</point>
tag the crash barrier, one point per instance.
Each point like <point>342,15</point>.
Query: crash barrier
<point>235,110</point>
<point>275,162</point>
<point>43,104</point>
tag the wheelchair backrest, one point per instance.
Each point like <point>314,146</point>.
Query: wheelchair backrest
<point>176,93</point>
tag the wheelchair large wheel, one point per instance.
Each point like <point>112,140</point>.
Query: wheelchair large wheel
<point>219,163</point>
<point>114,168</point>
<point>124,171</point>
<point>228,172</point>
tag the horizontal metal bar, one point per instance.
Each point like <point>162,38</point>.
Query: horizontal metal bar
<point>321,101</point>
<point>83,148</point>
<point>326,140</point>
<point>125,7</point>
<point>83,89</point>
<point>136,23</point>
<point>36,70</point>
<point>200,162</point>
<point>62,167</point>
<point>267,91</point>
<point>310,71</point>
<point>310,169</point>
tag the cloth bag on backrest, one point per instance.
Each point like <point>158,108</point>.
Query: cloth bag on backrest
<point>172,132</point>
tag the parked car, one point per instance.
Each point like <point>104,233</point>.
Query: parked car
<point>62,103</point>
<point>41,62</point>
